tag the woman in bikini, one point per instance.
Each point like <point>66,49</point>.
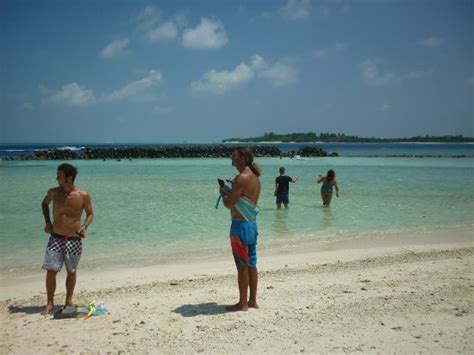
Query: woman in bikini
<point>328,182</point>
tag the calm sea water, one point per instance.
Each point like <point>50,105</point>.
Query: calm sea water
<point>162,210</point>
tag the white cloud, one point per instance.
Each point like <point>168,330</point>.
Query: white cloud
<point>162,110</point>
<point>208,34</point>
<point>340,46</point>
<point>374,77</point>
<point>72,94</point>
<point>27,106</point>
<point>431,42</point>
<point>420,74</point>
<point>386,107</point>
<point>115,48</point>
<point>346,9</point>
<point>148,12</point>
<point>221,82</point>
<point>266,16</point>
<point>136,87</point>
<point>154,26</point>
<point>319,53</point>
<point>44,89</point>
<point>180,19</point>
<point>296,10</point>
<point>147,18</point>
<point>337,47</point>
<point>303,10</point>
<point>257,62</point>
<point>281,74</point>
<point>164,32</point>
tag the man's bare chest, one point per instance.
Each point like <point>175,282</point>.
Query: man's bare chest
<point>68,204</point>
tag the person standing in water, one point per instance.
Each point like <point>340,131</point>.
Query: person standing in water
<point>328,182</point>
<point>282,188</point>
<point>66,231</point>
<point>243,233</point>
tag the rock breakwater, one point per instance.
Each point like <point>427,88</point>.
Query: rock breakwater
<point>218,151</point>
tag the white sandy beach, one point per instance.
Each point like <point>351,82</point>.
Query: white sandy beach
<point>398,295</point>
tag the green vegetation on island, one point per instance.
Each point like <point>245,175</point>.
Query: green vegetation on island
<point>343,138</point>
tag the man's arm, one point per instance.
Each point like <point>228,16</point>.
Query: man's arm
<point>48,228</point>
<point>237,190</point>
<point>337,188</point>
<point>294,179</point>
<point>89,214</point>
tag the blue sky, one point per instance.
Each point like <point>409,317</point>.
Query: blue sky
<point>202,71</point>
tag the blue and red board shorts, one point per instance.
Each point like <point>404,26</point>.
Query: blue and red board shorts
<point>243,240</point>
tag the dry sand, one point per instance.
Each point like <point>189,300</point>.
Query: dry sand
<point>384,299</point>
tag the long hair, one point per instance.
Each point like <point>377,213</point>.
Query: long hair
<point>330,175</point>
<point>248,156</point>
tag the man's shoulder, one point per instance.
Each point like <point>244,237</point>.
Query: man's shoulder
<point>246,175</point>
<point>82,192</point>
<point>243,176</point>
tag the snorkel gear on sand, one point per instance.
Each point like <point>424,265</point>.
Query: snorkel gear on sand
<point>84,311</point>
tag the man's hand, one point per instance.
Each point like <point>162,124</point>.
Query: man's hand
<point>48,228</point>
<point>82,232</point>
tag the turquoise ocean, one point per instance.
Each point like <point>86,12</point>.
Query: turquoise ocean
<point>154,211</point>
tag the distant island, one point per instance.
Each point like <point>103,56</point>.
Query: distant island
<point>343,138</point>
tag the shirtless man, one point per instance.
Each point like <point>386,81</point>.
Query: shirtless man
<point>243,234</point>
<point>66,230</point>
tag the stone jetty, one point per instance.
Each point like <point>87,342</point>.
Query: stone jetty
<point>307,151</point>
<point>141,152</point>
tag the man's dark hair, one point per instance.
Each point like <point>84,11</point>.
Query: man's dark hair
<point>68,170</point>
<point>282,170</point>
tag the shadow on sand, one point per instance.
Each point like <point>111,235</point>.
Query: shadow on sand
<point>27,310</point>
<point>193,310</point>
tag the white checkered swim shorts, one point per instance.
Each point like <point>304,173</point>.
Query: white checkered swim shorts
<point>61,250</point>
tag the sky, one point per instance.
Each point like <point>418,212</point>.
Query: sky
<point>119,71</point>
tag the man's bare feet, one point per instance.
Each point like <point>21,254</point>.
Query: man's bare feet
<point>237,307</point>
<point>47,310</point>
<point>253,305</point>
